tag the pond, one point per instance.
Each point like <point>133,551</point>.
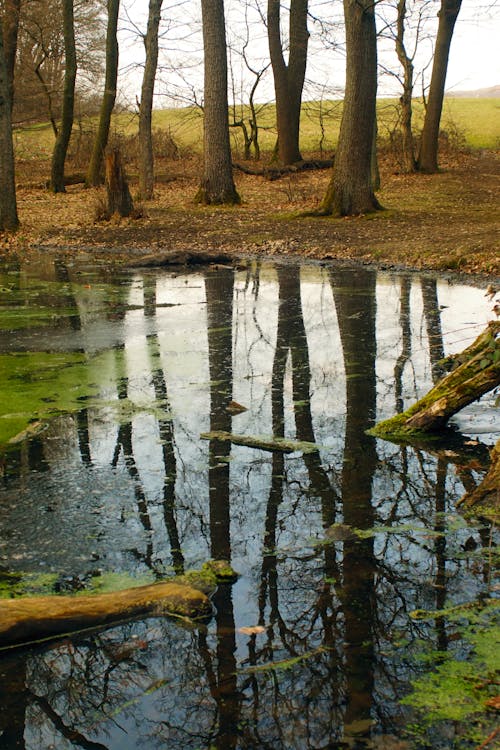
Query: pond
<point>110,380</point>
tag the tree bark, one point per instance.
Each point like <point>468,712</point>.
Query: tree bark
<point>288,79</point>
<point>217,185</point>
<point>428,154</point>
<point>108,100</point>
<point>8,206</point>
<point>64,134</point>
<point>478,372</point>
<point>33,618</point>
<point>350,191</point>
<point>10,32</point>
<point>146,157</point>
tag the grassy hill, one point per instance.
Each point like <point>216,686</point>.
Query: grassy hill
<point>472,122</point>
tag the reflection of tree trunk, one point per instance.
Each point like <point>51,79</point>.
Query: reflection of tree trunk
<point>223,680</point>
<point>404,321</point>
<point>13,703</point>
<point>269,574</point>
<point>124,442</point>
<point>440,551</point>
<point>219,293</point>
<point>433,326</point>
<point>82,429</point>
<point>166,428</point>
<point>355,305</point>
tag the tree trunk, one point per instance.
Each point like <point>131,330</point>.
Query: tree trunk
<point>64,134</point>
<point>119,198</point>
<point>405,101</point>
<point>288,79</point>
<point>428,155</point>
<point>108,100</point>
<point>8,206</point>
<point>11,12</point>
<point>217,185</point>
<point>33,618</point>
<point>478,372</point>
<point>351,188</point>
<point>146,157</point>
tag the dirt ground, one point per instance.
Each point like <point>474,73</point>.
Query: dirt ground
<point>446,222</point>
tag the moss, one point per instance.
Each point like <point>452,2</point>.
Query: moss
<point>461,684</point>
<point>211,573</point>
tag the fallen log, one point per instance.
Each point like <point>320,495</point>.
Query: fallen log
<point>275,173</point>
<point>476,373</point>
<point>30,619</point>
<point>262,442</point>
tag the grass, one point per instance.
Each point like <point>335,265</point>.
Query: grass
<point>473,122</point>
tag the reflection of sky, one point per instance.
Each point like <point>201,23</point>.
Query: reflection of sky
<point>94,522</point>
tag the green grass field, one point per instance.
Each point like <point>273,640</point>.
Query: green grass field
<point>475,122</point>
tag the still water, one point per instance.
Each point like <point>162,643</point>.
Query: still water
<point>108,381</point>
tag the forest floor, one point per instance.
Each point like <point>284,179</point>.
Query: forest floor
<point>445,222</point>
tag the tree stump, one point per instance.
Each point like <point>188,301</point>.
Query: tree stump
<point>119,197</point>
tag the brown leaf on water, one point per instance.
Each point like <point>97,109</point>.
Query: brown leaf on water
<point>252,630</point>
<point>234,407</point>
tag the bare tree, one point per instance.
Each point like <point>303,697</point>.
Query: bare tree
<point>428,154</point>
<point>217,184</point>
<point>146,157</point>
<point>351,188</point>
<point>64,132</point>
<point>108,100</point>
<point>288,79</point>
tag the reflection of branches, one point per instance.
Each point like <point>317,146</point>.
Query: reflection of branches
<point>124,443</point>
<point>73,735</point>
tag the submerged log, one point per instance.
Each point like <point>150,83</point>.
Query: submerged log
<point>477,371</point>
<point>30,619</point>
<point>262,442</point>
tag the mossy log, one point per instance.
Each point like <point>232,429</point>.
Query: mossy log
<point>485,499</point>
<point>477,371</point>
<point>262,442</point>
<point>29,619</point>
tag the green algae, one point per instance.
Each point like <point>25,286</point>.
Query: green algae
<point>13,585</point>
<point>38,386</point>
<point>16,318</point>
<point>463,681</point>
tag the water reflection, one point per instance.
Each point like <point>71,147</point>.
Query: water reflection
<point>313,646</point>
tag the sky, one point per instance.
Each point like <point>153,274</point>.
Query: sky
<point>475,51</point>
<point>474,57</point>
